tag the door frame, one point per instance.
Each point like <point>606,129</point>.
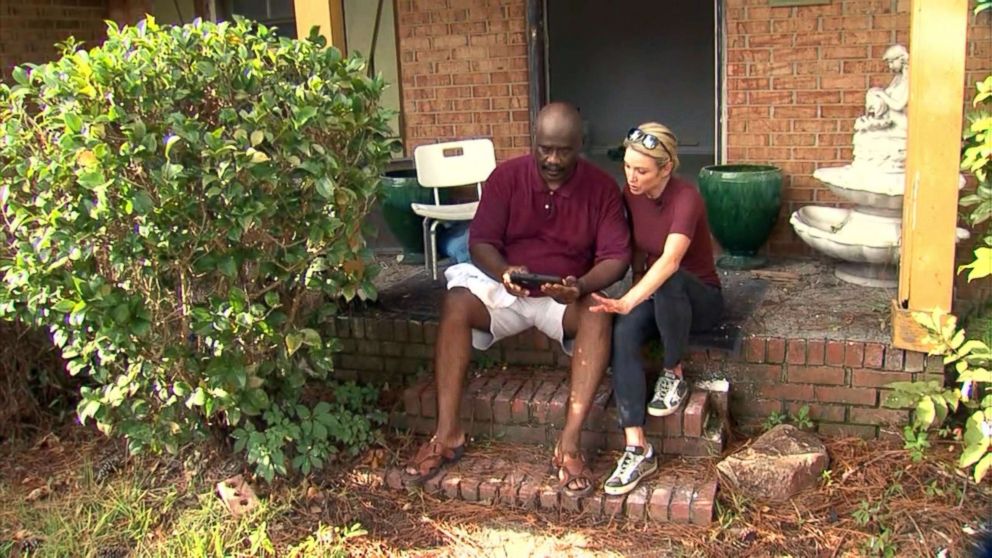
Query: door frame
<point>537,70</point>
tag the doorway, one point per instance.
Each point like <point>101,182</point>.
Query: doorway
<point>630,61</point>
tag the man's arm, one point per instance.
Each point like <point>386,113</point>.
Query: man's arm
<point>487,258</point>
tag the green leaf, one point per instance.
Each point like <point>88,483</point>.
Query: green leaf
<point>310,337</point>
<point>73,122</point>
<point>293,343</point>
<point>197,398</point>
<point>325,187</point>
<point>173,140</point>
<point>973,452</point>
<point>983,467</point>
<point>257,156</point>
<point>925,412</point>
<point>20,75</point>
<point>257,137</point>
<point>227,266</point>
<point>272,299</point>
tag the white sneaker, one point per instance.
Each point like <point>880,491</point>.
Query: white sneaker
<point>669,394</point>
<point>635,464</point>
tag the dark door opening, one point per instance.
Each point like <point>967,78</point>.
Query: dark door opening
<point>629,61</point>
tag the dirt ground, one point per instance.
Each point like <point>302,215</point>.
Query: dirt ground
<point>787,298</point>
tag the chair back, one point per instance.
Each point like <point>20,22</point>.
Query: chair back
<point>454,163</point>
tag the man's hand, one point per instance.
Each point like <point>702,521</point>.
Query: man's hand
<point>610,305</point>
<point>511,287</point>
<point>566,292</point>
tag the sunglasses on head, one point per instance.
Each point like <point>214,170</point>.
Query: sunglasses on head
<point>636,135</point>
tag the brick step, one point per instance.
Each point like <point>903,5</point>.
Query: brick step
<point>528,406</point>
<point>519,476</point>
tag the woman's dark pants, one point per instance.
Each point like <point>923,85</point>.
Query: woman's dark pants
<point>683,304</point>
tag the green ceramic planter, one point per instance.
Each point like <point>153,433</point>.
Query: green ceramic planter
<point>742,203</point>
<point>400,189</point>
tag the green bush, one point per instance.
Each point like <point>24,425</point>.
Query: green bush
<point>183,206</point>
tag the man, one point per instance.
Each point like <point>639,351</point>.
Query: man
<point>551,213</point>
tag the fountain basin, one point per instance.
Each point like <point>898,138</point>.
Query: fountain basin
<point>849,234</point>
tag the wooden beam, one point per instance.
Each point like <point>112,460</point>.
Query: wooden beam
<point>933,156</point>
<point>328,15</point>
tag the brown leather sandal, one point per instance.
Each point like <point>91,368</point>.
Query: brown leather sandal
<point>572,468</point>
<point>430,459</point>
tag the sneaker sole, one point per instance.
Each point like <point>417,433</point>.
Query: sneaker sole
<point>664,412</point>
<point>621,490</point>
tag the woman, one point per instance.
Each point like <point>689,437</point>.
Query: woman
<point>676,290</point>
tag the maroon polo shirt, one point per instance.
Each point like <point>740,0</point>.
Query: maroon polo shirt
<point>679,209</point>
<point>562,232</point>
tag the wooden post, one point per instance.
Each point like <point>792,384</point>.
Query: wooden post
<point>930,203</point>
<point>328,15</point>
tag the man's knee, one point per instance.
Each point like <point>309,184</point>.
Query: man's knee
<point>463,307</point>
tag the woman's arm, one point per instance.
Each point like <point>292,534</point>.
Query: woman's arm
<point>676,245</point>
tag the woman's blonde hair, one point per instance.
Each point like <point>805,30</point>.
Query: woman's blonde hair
<point>664,152</point>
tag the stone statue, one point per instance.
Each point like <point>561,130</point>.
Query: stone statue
<point>880,133</point>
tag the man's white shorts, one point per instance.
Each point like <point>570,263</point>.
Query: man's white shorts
<point>508,314</point>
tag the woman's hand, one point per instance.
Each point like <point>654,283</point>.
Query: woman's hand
<point>610,305</point>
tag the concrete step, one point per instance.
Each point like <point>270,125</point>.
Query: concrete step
<point>514,475</point>
<point>528,406</point>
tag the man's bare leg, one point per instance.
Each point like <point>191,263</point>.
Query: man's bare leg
<point>591,353</point>
<point>460,313</point>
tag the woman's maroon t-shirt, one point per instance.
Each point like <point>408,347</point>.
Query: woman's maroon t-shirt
<point>679,209</point>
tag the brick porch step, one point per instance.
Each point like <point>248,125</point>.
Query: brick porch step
<point>528,406</point>
<point>518,476</point>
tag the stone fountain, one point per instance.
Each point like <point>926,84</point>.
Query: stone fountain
<point>867,236</point>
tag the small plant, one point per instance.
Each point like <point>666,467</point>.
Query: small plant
<point>864,513</point>
<point>826,477</point>
<point>327,541</point>
<point>881,545</point>
<point>774,419</point>
<point>802,419</point>
<point>915,441</point>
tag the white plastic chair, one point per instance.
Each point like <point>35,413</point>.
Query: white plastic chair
<point>445,165</point>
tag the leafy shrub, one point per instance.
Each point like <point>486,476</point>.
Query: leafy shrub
<point>183,207</point>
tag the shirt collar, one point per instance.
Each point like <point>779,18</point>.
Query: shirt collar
<point>565,190</point>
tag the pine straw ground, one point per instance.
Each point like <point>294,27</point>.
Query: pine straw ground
<point>875,501</point>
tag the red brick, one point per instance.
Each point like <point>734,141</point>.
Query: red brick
<point>484,398</point>
<point>433,485</point>
<point>450,485</point>
<point>510,488</point>
<point>428,401</point>
<point>501,403</point>
<point>934,364</point>
<point>834,353</point>
<point>701,509</point>
<point>468,397</point>
<point>558,405</point>
<point>548,497</point>
<point>847,430</point>
<point>520,406</point>
<point>527,496</point>
<point>679,508</point>
<point>754,349</point>
<point>875,378</point>
<point>469,488</point>
<point>570,502</point>
<point>593,504</point>
<point>886,417</point>
<point>853,396</point>
<point>815,351</point>
<point>775,350</point>
<point>695,414</point>
<point>894,358</point>
<point>542,397</point>
<point>874,355</point>
<point>854,354</point>
<point>791,392</point>
<point>658,503</point>
<point>816,375</point>
<point>796,353</point>
<point>690,447</point>
<point>914,361</point>
<point>613,506</point>
<point>411,398</point>
<point>637,501</point>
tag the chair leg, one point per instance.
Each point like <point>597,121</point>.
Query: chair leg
<point>434,248</point>
<point>427,246</point>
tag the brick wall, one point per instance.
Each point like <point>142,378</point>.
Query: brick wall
<point>29,29</point>
<point>463,68</point>
<point>841,380</point>
<point>796,79</point>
